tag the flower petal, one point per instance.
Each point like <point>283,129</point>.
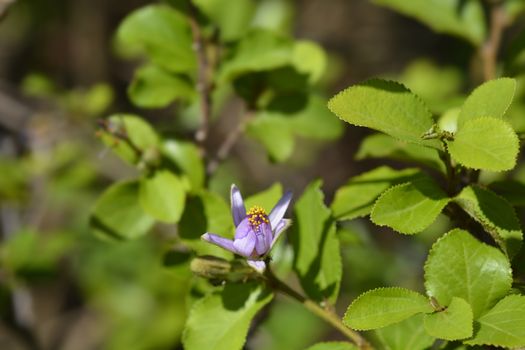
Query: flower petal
<point>237,204</point>
<point>264,239</point>
<point>281,226</point>
<point>220,241</point>
<point>244,246</point>
<point>278,211</point>
<point>243,228</point>
<point>258,265</point>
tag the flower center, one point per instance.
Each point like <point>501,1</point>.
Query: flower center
<point>257,216</point>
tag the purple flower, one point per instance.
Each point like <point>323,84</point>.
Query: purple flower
<point>255,232</point>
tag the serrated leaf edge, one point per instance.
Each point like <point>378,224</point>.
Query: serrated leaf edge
<point>418,229</point>
<point>491,229</point>
<point>390,81</point>
<point>515,138</point>
<point>480,86</point>
<point>471,328</point>
<point>417,173</point>
<point>375,290</point>
<point>432,251</point>
<point>469,342</point>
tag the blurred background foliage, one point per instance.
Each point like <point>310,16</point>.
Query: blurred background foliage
<point>66,65</point>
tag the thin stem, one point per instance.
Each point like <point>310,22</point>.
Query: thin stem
<point>203,83</point>
<point>227,145</point>
<point>489,50</point>
<point>326,314</point>
<point>451,172</point>
<point>121,135</point>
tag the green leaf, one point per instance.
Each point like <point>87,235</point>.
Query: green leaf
<point>357,197</point>
<point>309,58</point>
<point>410,207</point>
<point>277,129</point>
<point>385,106</point>
<point>206,212</point>
<point>163,34</point>
<point>259,50</point>
<point>513,8</point>
<point>452,323</point>
<point>485,143</point>
<point>33,254</point>
<point>154,87</point>
<point>491,99</point>
<point>384,306</point>
<point>495,214</point>
<point>118,214</point>
<point>384,146</point>
<point>274,134</point>
<point>314,121</point>
<point>333,345</point>
<point>188,159</point>
<point>503,325</point>
<point>221,320</point>
<point>265,199</point>
<point>458,265</point>
<point>232,17</point>
<point>317,258</point>
<point>140,134</point>
<point>461,18</point>
<point>407,334</point>
<point>513,191</point>
<point>439,86</point>
<point>137,129</point>
<point>162,196</point>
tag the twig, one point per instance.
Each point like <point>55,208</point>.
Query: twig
<point>326,314</point>
<point>121,135</point>
<point>228,143</point>
<point>451,172</point>
<point>489,50</point>
<point>203,83</point>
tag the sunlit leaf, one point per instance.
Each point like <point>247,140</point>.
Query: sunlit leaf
<point>221,320</point>
<point>491,99</point>
<point>460,266</point>
<point>162,195</point>
<point>384,306</point>
<point>163,34</point>
<point>407,334</point>
<point>452,323</point>
<point>503,325</point>
<point>317,257</point>
<point>385,106</point>
<point>357,197</point>
<point>118,214</point>
<point>153,87</point>
<point>232,17</point>
<point>485,143</point>
<point>333,345</point>
<point>410,207</point>
<point>188,159</point>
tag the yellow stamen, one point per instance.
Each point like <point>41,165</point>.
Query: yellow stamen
<point>257,216</point>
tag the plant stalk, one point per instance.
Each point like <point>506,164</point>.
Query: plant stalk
<point>326,314</point>
<point>203,82</point>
